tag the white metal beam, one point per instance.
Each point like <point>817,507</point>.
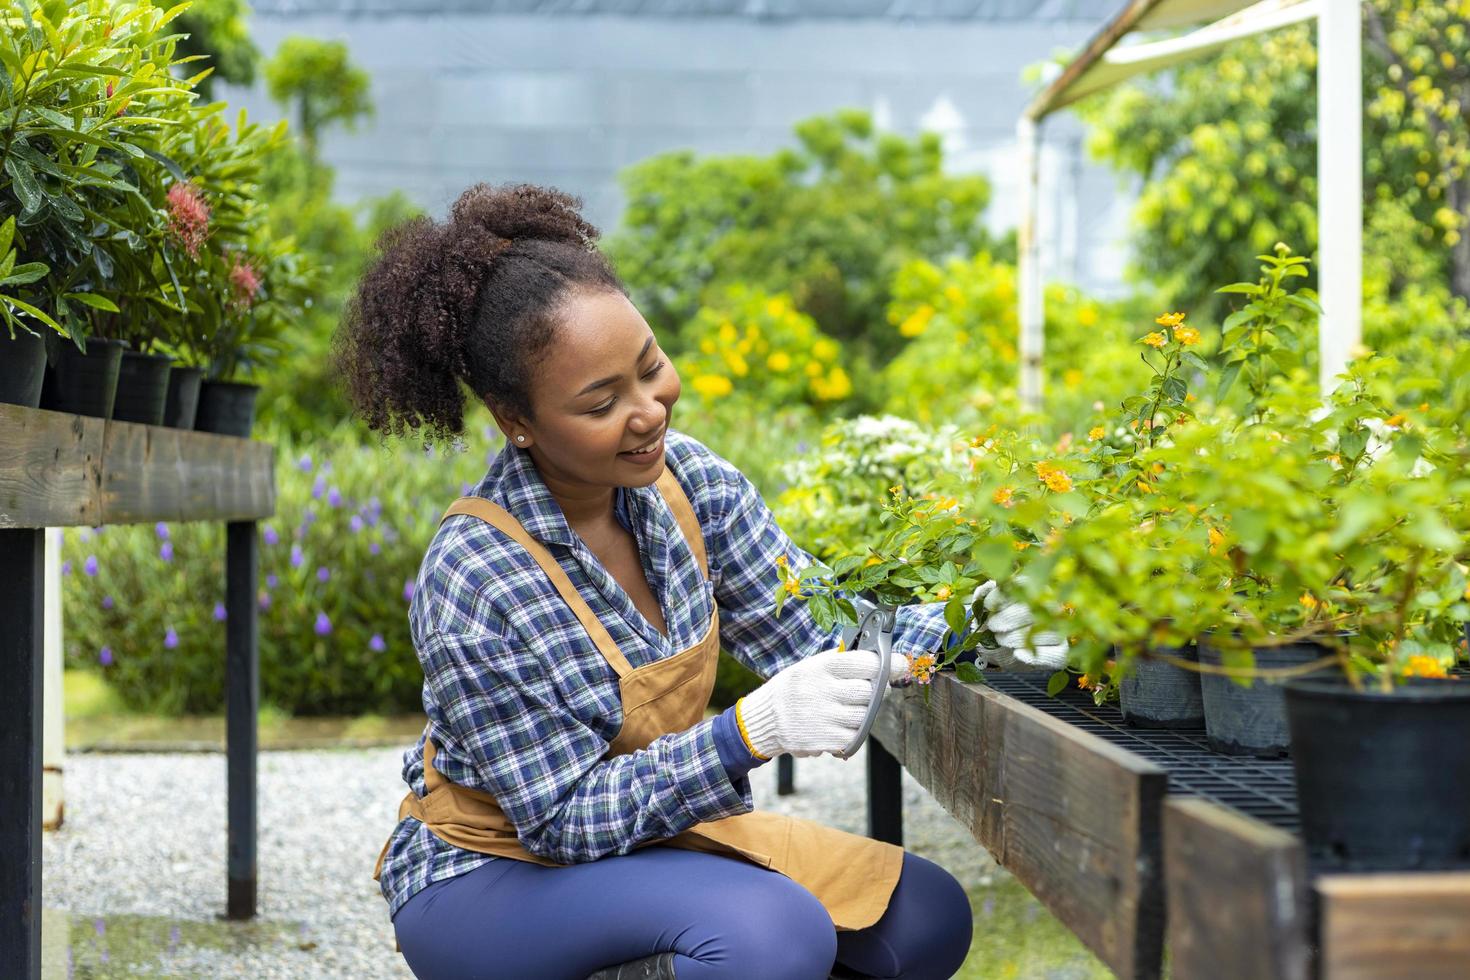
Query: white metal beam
<point>1339,185</point>
<point>1032,313</point>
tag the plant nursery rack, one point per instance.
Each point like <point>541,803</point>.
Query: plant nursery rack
<point>1137,839</point>
<point>63,470</point>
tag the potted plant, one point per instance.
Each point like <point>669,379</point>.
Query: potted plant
<point>22,350</point>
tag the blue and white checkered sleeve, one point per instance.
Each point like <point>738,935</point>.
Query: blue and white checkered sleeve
<point>546,768</point>
<point>747,542</point>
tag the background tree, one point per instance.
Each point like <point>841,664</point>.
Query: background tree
<point>1227,149</point>
<point>317,81</point>
<point>829,222</point>
<point>217,30</point>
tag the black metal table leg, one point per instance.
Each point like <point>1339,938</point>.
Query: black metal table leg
<point>22,554</point>
<point>242,697</point>
<point>785,775</point>
<point>885,795</point>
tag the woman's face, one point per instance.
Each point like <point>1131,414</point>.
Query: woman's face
<point>603,388</point>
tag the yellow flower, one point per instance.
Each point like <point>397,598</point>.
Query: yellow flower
<point>1087,316</point>
<point>1145,487</point>
<point>954,294</point>
<point>1096,432</point>
<point>727,333</point>
<point>1086,682</point>
<point>776,306</point>
<point>1156,339</point>
<point>1216,540</point>
<point>1072,378</point>
<point>825,349</point>
<point>943,592</point>
<point>1420,665</point>
<point>793,587</point>
<point>1003,496</point>
<point>1394,421</point>
<point>1188,336</point>
<point>779,361</point>
<point>1170,319</point>
<point>922,667</point>
<point>1020,545</point>
<point>917,322</point>
<point>874,560</point>
<point>1069,609</point>
<point>708,346</point>
<point>1309,600</point>
<point>780,561</point>
<point>813,369</point>
<point>712,385</point>
<point>736,364</point>
<point>1053,477</point>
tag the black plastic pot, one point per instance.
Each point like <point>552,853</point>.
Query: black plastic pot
<point>1155,694</point>
<point>82,384</point>
<point>226,407</point>
<point>1251,720</point>
<point>1383,778</point>
<point>22,368</point>
<point>142,386</point>
<point>181,403</point>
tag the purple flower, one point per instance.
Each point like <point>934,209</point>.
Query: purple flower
<point>272,537</point>
<point>374,548</point>
<point>376,644</point>
<point>323,624</point>
<point>100,926</point>
<point>272,580</point>
<point>334,497</point>
<point>161,529</point>
<point>355,525</point>
<point>90,565</point>
<point>318,487</point>
<point>66,568</point>
<point>166,551</point>
<point>323,573</point>
<point>265,600</point>
<point>219,612</point>
<point>170,639</point>
<point>408,590</point>
<point>801,446</point>
<point>297,558</point>
<point>104,657</point>
<point>304,463</point>
<point>309,517</point>
<point>107,602</point>
<point>464,489</point>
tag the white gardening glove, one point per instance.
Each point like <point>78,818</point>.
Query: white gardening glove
<point>1010,623</point>
<point>816,705</point>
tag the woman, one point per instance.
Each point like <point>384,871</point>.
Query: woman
<point>570,808</point>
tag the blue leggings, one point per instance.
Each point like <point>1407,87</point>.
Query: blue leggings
<point>722,917</point>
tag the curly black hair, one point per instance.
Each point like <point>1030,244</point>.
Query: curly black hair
<point>473,299</point>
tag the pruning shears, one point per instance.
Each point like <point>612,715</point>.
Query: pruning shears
<point>874,632</point>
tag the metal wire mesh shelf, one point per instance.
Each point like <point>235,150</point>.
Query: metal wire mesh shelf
<point>1260,788</point>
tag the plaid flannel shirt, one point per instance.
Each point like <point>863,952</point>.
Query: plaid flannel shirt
<point>521,704</point>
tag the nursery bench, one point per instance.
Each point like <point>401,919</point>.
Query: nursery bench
<point>1111,827</point>
<point>62,470</point>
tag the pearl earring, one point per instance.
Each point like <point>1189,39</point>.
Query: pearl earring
<point>520,438</point>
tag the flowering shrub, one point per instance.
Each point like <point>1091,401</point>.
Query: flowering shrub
<point>961,364</point>
<point>764,347</point>
<point>337,565</point>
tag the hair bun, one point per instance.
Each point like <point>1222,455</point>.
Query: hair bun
<point>524,211</point>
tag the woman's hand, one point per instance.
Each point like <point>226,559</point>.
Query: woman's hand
<point>1010,622</point>
<point>816,705</point>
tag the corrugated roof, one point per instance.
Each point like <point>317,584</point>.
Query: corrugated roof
<point>919,10</point>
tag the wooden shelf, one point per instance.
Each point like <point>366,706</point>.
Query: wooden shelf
<point>60,470</point>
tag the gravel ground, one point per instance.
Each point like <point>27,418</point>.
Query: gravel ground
<point>143,850</point>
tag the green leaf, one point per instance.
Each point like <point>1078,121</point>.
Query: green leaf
<point>27,188</point>
<point>1249,288</point>
<point>7,233</point>
<point>956,615</point>
<point>1056,683</point>
<point>22,274</point>
<point>969,673</point>
<point>95,301</point>
<point>25,307</point>
<point>1175,390</point>
<point>1227,378</point>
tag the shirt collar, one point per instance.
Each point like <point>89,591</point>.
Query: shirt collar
<point>514,482</point>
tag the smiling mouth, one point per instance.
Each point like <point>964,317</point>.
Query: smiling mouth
<point>645,450</point>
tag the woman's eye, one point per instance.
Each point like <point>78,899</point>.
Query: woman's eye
<point>603,410</point>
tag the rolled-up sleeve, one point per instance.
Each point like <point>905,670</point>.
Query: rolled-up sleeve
<point>547,769</point>
<point>746,543</point>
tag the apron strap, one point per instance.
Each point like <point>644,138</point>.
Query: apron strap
<point>493,513</point>
<point>674,496</point>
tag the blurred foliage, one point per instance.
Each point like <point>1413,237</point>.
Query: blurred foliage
<point>827,222</point>
<point>352,523</point>
<point>1228,152</point>
<point>218,31</point>
<point>317,81</point>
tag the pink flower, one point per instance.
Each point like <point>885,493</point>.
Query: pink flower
<point>188,217</point>
<point>244,283</point>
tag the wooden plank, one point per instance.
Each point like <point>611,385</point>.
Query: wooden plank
<point>50,468</point>
<point>1388,926</point>
<point>1236,893</point>
<point>66,470</point>
<point>1073,817</point>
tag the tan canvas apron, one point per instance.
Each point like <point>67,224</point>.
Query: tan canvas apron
<point>852,876</point>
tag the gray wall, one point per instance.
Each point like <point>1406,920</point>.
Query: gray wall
<point>568,99</point>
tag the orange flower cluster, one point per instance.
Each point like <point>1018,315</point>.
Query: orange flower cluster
<point>923,667</point>
<point>1423,666</point>
<point>1053,476</point>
